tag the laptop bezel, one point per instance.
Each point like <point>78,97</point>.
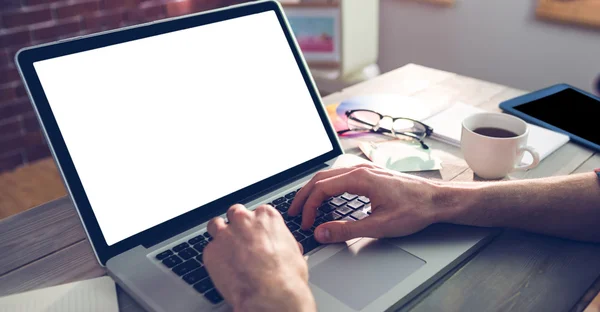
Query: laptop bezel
<point>27,57</point>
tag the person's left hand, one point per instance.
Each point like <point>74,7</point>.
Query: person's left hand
<point>255,262</point>
<point>401,204</point>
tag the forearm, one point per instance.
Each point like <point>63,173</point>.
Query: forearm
<point>566,206</point>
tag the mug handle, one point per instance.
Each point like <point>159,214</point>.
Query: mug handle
<point>534,154</point>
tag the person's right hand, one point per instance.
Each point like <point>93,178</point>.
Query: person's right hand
<point>401,204</point>
<point>255,262</point>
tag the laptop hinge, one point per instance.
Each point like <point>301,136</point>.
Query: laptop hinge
<point>161,238</point>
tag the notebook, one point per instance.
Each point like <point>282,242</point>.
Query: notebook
<point>447,127</point>
<point>98,294</point>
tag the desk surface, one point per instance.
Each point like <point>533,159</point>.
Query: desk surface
<point>47,246</point>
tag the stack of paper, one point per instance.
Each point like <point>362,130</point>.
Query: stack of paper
<point>445,119</point>
<point>447,127</point>
<point>97,294</point>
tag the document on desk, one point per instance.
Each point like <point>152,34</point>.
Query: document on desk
<point>98,294</point>
<point>400,156</point>
<point>447,127</point>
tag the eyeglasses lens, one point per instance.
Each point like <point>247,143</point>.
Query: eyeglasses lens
<point>363,120</point>
<point>409,126</point>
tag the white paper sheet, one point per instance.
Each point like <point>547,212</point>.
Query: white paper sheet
<point>400,156</point>
<point>447,127</point>
<point>98,294</point>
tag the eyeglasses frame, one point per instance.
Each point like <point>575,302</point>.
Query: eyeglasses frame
<point>377,128</point>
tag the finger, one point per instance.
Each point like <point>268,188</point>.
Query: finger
<point>303,194</point>
<point>341,231</point>
<point>301,248</point>
<point>267,215</point>
<point>266,210</point>
<point>215,225</point>
<point>357,181</point>
<point>237,213</point>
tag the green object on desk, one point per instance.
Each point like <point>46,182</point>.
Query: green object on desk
<point>400,156</point>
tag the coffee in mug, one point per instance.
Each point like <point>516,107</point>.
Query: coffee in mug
<point>493,144</point>
<point>495,132</point>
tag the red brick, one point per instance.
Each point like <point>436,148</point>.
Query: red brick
<point>52,32</point>
<point>36,2</point>
<point>37,152</point>
<point>11,55</point>
<point>118,4</point>
<point>93,23</point>
<point>21,17</point>
<point>11,160</point>
<point>15,38</point>
<point>133,17</point>
<point>30,122</point>
<point>21,141</point>
<point>15,108</point>
<point>77,9</point>
<point>213,4</point>
<point>20,91</point>
<point>154,11</point>
<point>113,20</point>
<point>9,75</point>
<point>4,61</point>
<point>7,94</point>
<point>178,8</point>
<point>200,6</point>
<point>103,21</point>
<point>34,138</point>
<point>11,127</point>
<point>10,4</point>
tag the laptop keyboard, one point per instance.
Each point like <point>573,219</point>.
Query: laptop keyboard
<point>347,207</point>
<point>185,259</point>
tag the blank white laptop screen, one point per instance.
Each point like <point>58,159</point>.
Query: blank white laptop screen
<point>159,126</point>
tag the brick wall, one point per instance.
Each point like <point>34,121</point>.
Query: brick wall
<point>29,22</point>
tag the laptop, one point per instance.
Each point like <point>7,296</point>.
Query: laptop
<point>160,127</point>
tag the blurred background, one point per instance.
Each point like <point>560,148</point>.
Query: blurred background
<point>527,44</point>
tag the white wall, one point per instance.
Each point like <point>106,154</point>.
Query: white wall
<point>496,40</point>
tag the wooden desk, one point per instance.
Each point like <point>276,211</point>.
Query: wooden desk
<point>518,271</point>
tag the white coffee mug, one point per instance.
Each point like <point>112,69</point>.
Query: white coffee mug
<point>494,157</point>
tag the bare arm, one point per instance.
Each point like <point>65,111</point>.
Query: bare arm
<point>567,206</point>
<point>402,204</point>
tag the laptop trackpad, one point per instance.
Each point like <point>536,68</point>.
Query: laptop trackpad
<point>367,269</point>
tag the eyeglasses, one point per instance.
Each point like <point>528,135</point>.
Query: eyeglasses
<point>364,120</point>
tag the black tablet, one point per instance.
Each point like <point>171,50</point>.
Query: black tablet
<point>562,108</point>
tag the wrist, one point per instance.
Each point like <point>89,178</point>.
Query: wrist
<point>278,296</point>
<point>453,201</point>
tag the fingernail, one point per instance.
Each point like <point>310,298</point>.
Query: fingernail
<point>323,234</point>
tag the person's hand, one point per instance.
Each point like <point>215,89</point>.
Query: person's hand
<point>401,204</point>
<point>255,262</point>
